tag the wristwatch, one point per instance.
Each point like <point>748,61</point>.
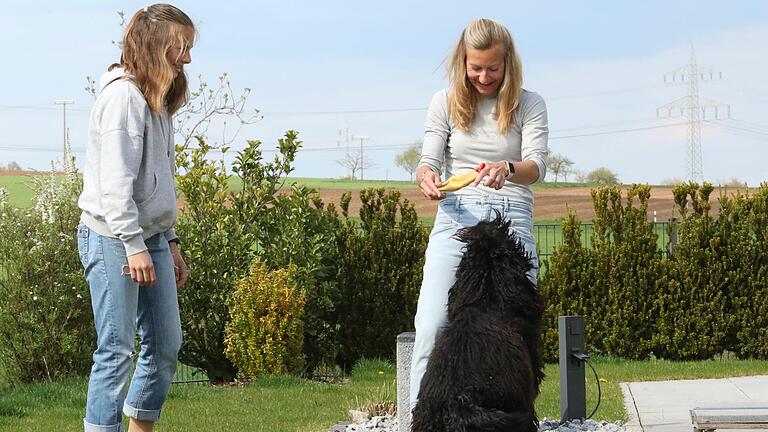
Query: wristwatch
<point>510,168</point>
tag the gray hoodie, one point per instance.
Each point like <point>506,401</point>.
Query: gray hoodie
<point>128,182</point>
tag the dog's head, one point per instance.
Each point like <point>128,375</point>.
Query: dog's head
<point>494,270</point>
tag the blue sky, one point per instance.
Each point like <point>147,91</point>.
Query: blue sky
<point>598,64</point>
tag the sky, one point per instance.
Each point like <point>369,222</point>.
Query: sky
<point>334,69</point>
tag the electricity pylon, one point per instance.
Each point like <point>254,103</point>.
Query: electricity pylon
<point>694,109</point>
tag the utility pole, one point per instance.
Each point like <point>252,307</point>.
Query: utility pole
<point>694,109</point>
<point>344,137</point>
<point>361,138</point>
<point>64,103</point>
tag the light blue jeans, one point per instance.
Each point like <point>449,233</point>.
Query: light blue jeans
<point>442,259</point>
<point>122,310</point>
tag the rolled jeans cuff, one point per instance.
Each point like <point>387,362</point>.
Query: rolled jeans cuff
<point>87,427</point>
<point>140,414</point>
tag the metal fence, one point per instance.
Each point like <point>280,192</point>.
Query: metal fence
<point>189,375</point>
<point>550,236</point>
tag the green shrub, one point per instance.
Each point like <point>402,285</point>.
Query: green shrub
<point>378,268</point>
<point>302,232</point>
<point>566,283</point>
<point>746,270</point>
<point>693,304</point>
<point>220,234</point>
<point>629,265</point>
<point>709,295</point>
<point>45,312</point>
<point>611,284</point>
<point>265,334</point>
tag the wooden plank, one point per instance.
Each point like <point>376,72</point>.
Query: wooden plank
<point>713,426</point>
<point>730,418</point>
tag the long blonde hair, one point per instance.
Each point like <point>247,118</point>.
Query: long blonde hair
<point>150,33</point>
<point>483,34</point>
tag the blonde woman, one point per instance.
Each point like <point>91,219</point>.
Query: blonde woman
<point>486,121</point>
<point>126,240</point>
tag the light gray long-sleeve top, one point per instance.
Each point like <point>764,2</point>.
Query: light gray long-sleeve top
<point>448,150</point>
<point>128,182</point>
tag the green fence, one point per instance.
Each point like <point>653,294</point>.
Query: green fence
<point>549,236</point>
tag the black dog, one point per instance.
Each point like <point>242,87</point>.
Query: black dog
<point>485,370</point>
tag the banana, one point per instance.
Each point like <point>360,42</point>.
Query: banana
<point>458,181</point>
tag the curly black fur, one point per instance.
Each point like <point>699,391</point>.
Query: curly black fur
<point>485,370</point>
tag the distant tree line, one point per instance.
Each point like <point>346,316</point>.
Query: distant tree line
<point>12,166</point>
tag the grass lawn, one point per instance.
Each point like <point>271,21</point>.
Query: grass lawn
<point>286,403</point>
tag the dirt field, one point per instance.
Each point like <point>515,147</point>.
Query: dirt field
<point>549,204</point>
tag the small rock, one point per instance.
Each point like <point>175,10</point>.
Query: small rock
<point>389,424</point>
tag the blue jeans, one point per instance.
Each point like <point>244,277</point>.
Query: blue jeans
<point>442,259</point>
<point>122,310</point>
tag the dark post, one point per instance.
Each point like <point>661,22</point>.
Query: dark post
<point>573,396</point>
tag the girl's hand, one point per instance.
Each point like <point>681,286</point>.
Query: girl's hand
<point>493,175</point>
<point>142,269</point>
<point>179,266</point>
<point>429,181</point>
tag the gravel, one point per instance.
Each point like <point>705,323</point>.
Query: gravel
<point>389,424</point>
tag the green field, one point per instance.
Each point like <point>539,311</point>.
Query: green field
<point>21,195</point>
<point>285,403</point>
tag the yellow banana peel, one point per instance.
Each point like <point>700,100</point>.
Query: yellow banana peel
<point>458,181</point>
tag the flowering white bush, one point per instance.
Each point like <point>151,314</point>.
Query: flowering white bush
<point>45,314</point>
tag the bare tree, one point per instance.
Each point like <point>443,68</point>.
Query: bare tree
<point>207,103</point>
<point>409,159</point>
<point>353,162</point>
<point>559,165</point>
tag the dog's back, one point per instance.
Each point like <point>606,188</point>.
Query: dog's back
<point>485,369</point>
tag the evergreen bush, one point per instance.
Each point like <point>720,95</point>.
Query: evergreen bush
<point>378,270</point>
<point>265,334</point>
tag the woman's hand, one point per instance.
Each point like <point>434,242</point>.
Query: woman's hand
<point>429,181</point>
<point>142,269</point>
<point>179,266</point>
<point>493,175</point>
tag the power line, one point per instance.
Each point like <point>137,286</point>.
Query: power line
<point>38,108</point>
<point>40,149</point>
<point>731,126</point>
<point>365,111</point>
<point>750,124</point>
<point>602,125</point>
<point>361,111</point>
<point>606,92</point>
<point>617,131</point>
<point>400,145</point>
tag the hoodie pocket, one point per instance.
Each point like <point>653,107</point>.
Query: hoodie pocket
<point>152,195</point>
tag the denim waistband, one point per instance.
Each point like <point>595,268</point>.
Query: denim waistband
<point>505,202</point>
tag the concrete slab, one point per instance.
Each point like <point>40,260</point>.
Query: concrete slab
<point>663,406</point>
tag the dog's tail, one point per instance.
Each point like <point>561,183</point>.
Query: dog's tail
<point>465,415</point>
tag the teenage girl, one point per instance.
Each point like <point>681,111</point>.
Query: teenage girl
<point>126,240</point>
